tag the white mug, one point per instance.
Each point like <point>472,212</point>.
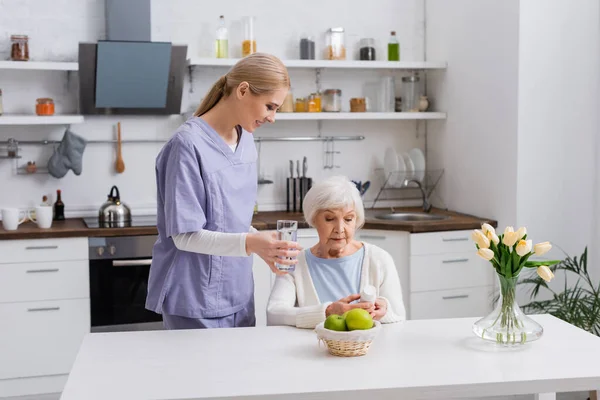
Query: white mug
<point>43,216</point>
<point>10,219</point>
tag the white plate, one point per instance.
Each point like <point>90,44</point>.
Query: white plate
<point>418,159</point>
<point>410,166</point>
<point>390,166</point>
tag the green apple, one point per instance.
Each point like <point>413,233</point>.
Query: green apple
<point>358,318</point>
<point>335,322</point>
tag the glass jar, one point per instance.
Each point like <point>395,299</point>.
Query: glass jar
<point>44,106</point>
<point>335,47</point>
<point>313,103</point>
<point>367,49</point>
<point>410,93</point>
<point>358,104</point>
<point>12,148</point>
<point>249,43</point>
<point>288,103</point>
<point>19,50</point>
<point>332,100</point>
<point>300,104</point>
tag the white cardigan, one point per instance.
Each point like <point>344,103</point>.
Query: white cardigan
<point>294,300</point>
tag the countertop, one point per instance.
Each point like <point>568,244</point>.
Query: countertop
<point>75,227</point>
<point>428,359</point>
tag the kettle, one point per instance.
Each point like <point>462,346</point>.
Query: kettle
<point>113,213</point>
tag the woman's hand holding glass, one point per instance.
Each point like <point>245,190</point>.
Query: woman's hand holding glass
<point>271,250</point>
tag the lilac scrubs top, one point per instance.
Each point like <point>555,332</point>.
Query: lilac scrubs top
<point>202,184</point>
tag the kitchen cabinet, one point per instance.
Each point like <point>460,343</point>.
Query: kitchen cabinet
<point>45,300</point>
<point>447,279</point>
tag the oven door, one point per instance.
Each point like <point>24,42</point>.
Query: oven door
<point>118,290</point>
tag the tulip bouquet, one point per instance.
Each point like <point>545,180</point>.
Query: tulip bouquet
<point>509,253</point>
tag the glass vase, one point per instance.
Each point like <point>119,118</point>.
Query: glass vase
<point>507,325</point>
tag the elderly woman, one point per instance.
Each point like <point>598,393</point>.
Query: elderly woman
<point>329,276</point>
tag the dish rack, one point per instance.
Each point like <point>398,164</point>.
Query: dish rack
<point>406,189</point>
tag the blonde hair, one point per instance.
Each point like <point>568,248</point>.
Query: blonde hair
<point>264,73</point>
<point>332,193</point>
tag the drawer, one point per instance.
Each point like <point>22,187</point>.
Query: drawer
<point>456,303</point>
<point>441,242</point>
<point>42,338</point>
<point>449,271</point>
<point>42,250</point>
<point>44,281</point>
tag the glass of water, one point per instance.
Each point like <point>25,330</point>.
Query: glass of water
<point>287,230</point>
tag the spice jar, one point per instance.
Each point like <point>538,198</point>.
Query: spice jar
<point>301,104</point>
<point>31,167</point>
<point>288,103</point>
<point>358,104</point>
<point>44,106</point>
<point>12,148</point>
<point>336,47</point>
<point>367,49</point>
<point>313,104</point>
<point>19,50</point>
<point>332,100</point>
<point>249,43</point>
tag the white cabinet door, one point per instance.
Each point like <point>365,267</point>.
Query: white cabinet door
<point>41,338</point>
<point>396,243</point>
<point>455,303</point>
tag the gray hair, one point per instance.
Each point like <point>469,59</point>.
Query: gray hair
<point>332,193</point>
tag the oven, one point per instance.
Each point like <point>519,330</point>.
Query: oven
<point>119,268</point>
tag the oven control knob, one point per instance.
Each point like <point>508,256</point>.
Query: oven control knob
<point>112,250</point>
<point>100,250</point>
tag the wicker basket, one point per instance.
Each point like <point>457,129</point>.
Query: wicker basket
<point>348,344</point>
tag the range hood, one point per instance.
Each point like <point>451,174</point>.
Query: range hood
<point>128,74</point>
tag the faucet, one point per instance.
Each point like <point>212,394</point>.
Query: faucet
<point>426,204</point>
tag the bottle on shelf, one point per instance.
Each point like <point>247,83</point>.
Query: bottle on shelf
<point>393,48</point>
<point>222,41</point>
<point>59,207</point>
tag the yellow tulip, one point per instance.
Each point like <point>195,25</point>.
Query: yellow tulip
<point>486,254</point>
<point>493,237</point>
<point>479,238</point>
<point>523,247</point>
<point>486,228</point>
<point>544,272</point>
<point>510,238</point>
<point>521,232</point>
<point>542,248</point>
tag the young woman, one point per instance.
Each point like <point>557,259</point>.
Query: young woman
<point>201,273</point>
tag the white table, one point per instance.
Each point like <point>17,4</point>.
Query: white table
<point>433,359</point>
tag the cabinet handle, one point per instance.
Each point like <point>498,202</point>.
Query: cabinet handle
<point>307,236</point>
<point>43,309</point>
<point>460,296</point>
<point>454,239</point>
<point>41,247</point>
<point>458,260</point>
<point>372,237</point>
<point>36,271</point>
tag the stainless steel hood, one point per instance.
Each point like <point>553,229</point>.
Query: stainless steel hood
<point>128,74</point>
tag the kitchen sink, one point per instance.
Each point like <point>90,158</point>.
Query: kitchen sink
<point>412,216</point>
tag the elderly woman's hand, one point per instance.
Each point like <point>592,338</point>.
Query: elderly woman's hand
<point>271,250</point>
<point>342,305</point>
<point>380,309</point>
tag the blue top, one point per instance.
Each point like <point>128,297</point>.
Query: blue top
<point>202,184</point>
<point>335,278</point>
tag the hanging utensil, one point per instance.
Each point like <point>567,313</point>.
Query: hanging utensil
<point>120,164</point>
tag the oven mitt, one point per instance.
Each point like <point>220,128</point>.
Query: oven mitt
<point>68,156</point>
